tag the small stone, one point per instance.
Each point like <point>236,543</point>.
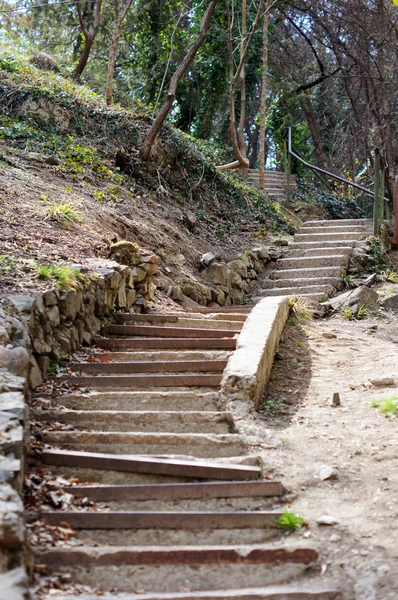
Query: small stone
<point>383,570</point>
<point>328,473</point>
<point>190,220</point>
<point>207,259</point>
<point>383,382</point>
<point>335,538</point>
<point>326,520</point>
<point>336,399</point>
<point>53,160</point>
<point>328,335</point>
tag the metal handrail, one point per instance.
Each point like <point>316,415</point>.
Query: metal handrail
<point>324,172</point>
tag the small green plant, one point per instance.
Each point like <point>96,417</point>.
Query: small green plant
<point>387,406</point>
<point>65,275</point>
<point>289,521</point>
<point>301,309</point>
<point>348,281</point>
<point>64,211</point>
<point>390,275</point>
<point>273,405</point>
<point>361,314</point>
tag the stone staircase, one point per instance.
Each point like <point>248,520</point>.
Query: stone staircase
<point>317,260</point>
<point>275,183</point>
<point>165,497</point>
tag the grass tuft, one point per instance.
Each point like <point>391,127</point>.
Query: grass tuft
<point>387,406</point>
<point>289,521</point>
<point>65,275</point>
<point>302,309</point>
<point>64,211</point>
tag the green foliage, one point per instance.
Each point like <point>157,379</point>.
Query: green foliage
<point>290,521</point>
<point>360,315</point>
<point>387,406</point>
<point>273,405</point>
<point>302,309</point>
<point>376,250</point>
<point>334,206</point>
<point>66,277</point>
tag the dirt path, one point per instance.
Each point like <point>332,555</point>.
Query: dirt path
<point>315,360</point>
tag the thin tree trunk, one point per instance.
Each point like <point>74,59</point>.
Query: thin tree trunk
<point>88,34</point>
<point>242,83</point>
<point>119,18</point>
<point>171,92</point>
<point>264,89</point>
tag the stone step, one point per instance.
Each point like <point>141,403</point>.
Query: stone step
<point>324,290</point>
<point>142,381</point>
<point>177,491</point>
<point>169,332</point>
<point>328,237</point>
<point>201,445</point>
<point>195,469</point>
<point>166,366</point>
<point>334,260</point>
<point>170,400</point>
<point>132,520</point>
<point>180,321</point>
<point>271,284</point>
<point>322,244</point>
<point>337,222</point>
<point>155,343</point>
<point>139,421</point>
<point>302,252</point>
<point>337,229</point>
<point>172,568</point>
<point>220,310</point>
<point>207,317</point>
<point>312,273</point>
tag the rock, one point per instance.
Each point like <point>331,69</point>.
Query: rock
<point>13,403</point>
<point>93,325</point>
<point>174,292</point>
<point>326,520</point>
<point>45,61</point>
<point>276,253</point>
<point>87,337</point>
<point>336,399</point>
<point>69,304</point>
<point>239,267</point>
<point>354,299</point>
<point>52,160</point>
<point>12,530</point>
<point>53,316</point>
<point>139,274</point>
<point>23,303</point>
<point>329,336</point>
<point>335,538</point>
<point>386,382</point>
<point>207,259</point>
<point>126,253</point>
<point>390,303</point>
<point>150,268</point>
<point>328,473</point>
<point>217,273</point>
<point>190,220</point>
<point>50,297</point>
<point>43,364</point>
<point>16,360</point>
<point>369,281</point>
<point>130,297</point>
<point>383,570</point>
<point>261,253</point>
<point>121,300</point>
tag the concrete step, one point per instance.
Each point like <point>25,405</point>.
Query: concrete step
<point>139,421</point>
<point>271,284</point>
<point>155,343</point>
<point>329,237</point>
<point>222,310</point>
<point>166,366</point>
<point>325,290</point>
<point>169,332</point>
<point>309,273</point>
<point>205,316</point>
<point>338,229</point>
<point>164,320</point>
<point>323,245</point>
<point>170,400</point>
<point>149,443</point>
<point>284,592</point>
<point>172,568</point>
<point>337,222</point>
<point>160,466</point>
<point>334,260</point>
<point>160,355</point>
<point>302,252</point>
<point>142,381</point>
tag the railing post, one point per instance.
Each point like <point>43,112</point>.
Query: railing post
<point>382,192</point>
<point>396,209</point>
<point>288,167</point>
<point>376,194</point>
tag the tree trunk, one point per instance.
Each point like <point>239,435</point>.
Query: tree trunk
<point>168,103</point>
<point>119,18</point>
<point>242,84</point>
<point>88,34</point>
<point>264,88</point>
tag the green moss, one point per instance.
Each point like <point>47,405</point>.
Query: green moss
<point>125,245</point>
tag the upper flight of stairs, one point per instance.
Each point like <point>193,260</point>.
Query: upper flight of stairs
<point>317,260</point>
<point>275,183</point>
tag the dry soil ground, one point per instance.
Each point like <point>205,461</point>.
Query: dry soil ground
<point>315,360</point>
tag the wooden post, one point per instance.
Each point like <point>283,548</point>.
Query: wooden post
<point>396,209</point>
<point>376,194</point>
